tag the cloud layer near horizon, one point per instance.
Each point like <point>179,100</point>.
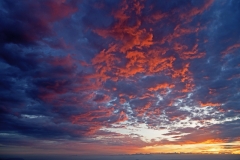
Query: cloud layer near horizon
<point>103,72</point>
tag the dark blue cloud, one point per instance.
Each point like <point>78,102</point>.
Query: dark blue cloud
<point>69,69</point>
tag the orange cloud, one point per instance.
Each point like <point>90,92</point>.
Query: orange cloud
<point>158,63</point>
<point>183,73</point>
<point>130,36</point>
<point>188,87</point>
<point>105,62</point>
<point>161,86</point>
<point>186,54</point>
<point>210,104</point>
<point>142,110</point>
<point>216,140</point>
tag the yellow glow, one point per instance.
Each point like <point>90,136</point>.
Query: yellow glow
<point>214,148</point>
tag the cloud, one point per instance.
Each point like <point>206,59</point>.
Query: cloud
<point>231,49</point>
<point>73,71</point>
<point>31,27</point>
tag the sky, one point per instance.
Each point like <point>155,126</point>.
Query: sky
<point>109,77</point>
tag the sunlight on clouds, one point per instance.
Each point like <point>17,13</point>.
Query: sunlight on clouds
<point>120,76</point>
<point>145,133</point>
<point>214,148</point>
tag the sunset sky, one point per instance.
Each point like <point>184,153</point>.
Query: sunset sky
<point>105,77</point>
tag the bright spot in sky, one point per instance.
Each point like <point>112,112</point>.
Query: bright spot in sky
<point>146,134</point>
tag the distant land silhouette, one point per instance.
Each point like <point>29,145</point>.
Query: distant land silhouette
<point>130,157</point>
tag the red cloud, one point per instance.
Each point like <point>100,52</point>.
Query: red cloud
<point>122,117</point>
<point>186,54</point>
<point>161,86</point>
<point>158,63</point>
<point>138,7</point>
<point>59,9</point>
<point>128,36</point>
<point>62,61</point>
<point>43,14</point>
<point>92,115</point>
<point>231,49</point>
<point>154,18</point>
<point>142,110</point>
<point>95,119</point>
<point>182,73</point>
<point>105,62</point>
<point>187,16</point>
